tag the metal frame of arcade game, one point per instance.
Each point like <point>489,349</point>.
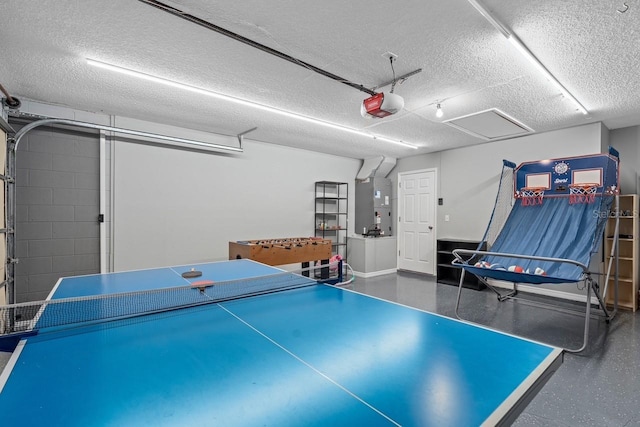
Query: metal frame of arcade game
<point>547,223</point>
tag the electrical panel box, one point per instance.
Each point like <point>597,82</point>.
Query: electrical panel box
<point>373,207</point>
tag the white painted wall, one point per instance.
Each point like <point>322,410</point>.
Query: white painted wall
<point>175,206</point>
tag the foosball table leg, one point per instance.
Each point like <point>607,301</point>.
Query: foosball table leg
<point>324,271</point>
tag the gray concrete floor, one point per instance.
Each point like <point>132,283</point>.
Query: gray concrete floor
<point>598,387</point>
<point>4,359</point>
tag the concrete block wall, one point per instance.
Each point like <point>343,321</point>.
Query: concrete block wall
<point>57,195</point>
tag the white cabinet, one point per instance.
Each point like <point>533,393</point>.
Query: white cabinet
<point>373,256</point>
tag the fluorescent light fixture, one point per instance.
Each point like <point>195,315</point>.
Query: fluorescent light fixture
<point>240,101</point>
<point>484,12</point>
<point>515,41</point>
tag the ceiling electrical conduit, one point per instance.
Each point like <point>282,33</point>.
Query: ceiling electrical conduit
<point>208,25</point>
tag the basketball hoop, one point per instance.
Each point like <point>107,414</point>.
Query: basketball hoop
<point>531,196</point>
<point>582,193</point>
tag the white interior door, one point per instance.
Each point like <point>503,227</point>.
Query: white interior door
<point>416,221</point>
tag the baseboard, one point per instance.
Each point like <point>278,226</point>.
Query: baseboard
<point>545,292</point>
<point>374,273</point>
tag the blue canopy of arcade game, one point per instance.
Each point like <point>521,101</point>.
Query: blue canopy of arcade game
<point>557,227</point>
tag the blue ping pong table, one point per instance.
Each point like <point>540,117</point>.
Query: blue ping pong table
<point>316,355</point>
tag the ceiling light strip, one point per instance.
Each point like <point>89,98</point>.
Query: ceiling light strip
<point>517,43</point>
<point>484,12</point>
<point>240,101</point>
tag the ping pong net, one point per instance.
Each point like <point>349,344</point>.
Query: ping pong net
<point>33,317</point>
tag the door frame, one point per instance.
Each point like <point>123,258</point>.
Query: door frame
<point>435,212</point>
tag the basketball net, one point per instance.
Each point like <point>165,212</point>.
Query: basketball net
<point>582,193</point>
<point>531,196</point>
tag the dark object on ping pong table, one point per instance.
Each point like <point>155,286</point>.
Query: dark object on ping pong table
<point>191,273</point>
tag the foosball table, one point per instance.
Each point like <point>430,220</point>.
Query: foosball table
<point>283,251</point>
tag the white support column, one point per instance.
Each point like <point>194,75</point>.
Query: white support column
<point>103,198</point>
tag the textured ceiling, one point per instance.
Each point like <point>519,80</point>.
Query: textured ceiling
<point>468,66</point>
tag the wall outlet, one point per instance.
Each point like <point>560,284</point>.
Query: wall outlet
<point>446,218</point>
